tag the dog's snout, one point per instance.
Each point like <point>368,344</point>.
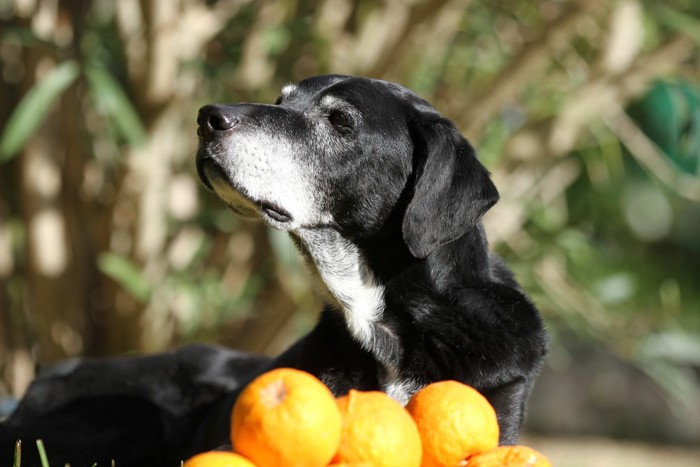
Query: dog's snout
<point>215,118</point>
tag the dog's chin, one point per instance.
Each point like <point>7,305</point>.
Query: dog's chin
<point>234,199</point>
<point>272,214</point>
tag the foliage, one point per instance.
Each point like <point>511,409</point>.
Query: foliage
<point>26,118</point>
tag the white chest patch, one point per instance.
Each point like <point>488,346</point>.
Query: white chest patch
<point>346,281</point>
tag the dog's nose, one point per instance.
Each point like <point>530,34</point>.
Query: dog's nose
<point>215,118</point>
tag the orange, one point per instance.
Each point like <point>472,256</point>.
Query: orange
<point>455,421</point>
<point>509,456</point>
<point>377,431</point>
<point>218,459</point>
<point>286,417</point>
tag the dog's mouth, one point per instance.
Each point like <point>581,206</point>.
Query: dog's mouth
<point>275,212</point>
<point>215,179</point>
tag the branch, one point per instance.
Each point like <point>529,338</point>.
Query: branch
<point>650,156</point>
<point>554,37</point>
<point>598,98</point>
<point>391,51</point>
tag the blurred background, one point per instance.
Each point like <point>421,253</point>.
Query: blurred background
<point>587,112</point>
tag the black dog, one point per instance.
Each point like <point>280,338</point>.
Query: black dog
<point>383,197</point>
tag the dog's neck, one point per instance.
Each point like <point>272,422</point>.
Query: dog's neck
<point>347,284</point>
<point>461,263</point>
<point>343,278</point>
<point>354,279</point>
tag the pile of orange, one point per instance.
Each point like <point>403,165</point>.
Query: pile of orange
<point>287,417</point>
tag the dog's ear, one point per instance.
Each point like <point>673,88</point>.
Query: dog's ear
<point>452,189</point>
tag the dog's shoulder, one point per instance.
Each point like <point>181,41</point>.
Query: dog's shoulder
<point>475,330</point>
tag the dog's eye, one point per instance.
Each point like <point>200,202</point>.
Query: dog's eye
<point>340,120</point>
<point>278,101</point>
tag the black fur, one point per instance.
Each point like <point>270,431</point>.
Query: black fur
<point>401,193</point>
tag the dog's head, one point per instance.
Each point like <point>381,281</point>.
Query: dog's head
<point>345,152</point>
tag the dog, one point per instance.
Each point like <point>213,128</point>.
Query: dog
<point>383,197</point>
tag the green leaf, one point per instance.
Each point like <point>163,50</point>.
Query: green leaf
<point>111,100</point>
<point>34,106</point>
<point>126,274</point>
<point>42,453</point>
<point>25,37</point>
